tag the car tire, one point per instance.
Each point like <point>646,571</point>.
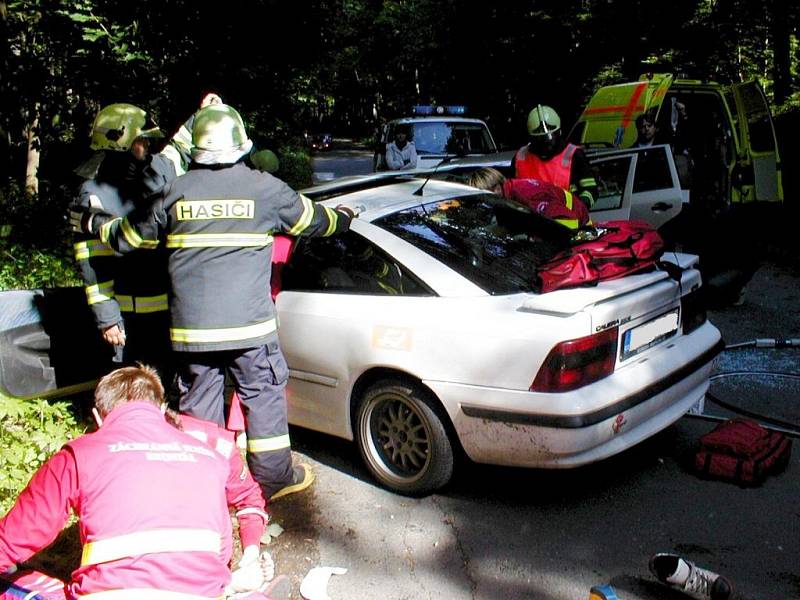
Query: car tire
<point>402,438</point>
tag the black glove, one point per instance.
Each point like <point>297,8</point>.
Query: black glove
<point>85,219</point>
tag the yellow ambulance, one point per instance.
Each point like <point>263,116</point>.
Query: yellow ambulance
<point>731,149</point>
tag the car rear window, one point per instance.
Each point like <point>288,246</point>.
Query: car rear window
<point>495,243</point>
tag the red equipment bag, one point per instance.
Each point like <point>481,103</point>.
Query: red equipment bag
<point>742,451</point>
<point>622,248</point>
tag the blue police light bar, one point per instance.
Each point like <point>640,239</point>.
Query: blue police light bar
<point>430,109</point>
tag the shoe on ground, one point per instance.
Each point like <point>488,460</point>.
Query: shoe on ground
<point>684,575</point>
<point>302,477</point>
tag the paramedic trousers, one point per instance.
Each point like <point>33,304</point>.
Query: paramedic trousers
<point>259,376</point>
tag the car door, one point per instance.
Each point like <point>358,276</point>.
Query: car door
<point>757,133</point>
<point>341,298</point>
<point>49,344</point>
<point>608,119</point>
<point>638,183</point>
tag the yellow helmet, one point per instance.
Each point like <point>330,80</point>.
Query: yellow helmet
<point>543,120</point>
<point>116,127</point>
<point>218,128</point>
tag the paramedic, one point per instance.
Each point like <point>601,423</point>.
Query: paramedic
<point>548,157</point>
<point>152,501</point>
<point>543,197</point>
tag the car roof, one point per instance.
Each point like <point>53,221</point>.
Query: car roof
<point>435,118</point>
<point>387,195</point>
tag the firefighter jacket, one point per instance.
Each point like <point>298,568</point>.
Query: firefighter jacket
<point>243,493</point>
<point>150,499</point>
<point>549,200</point>
<point>569,169</point>
<point>217,225</point>
<point>116,284</point>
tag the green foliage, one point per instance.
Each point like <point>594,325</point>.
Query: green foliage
<point>32,430</point>
<point>25,267</point>
<point>35,247</point>
<point>295,167</point>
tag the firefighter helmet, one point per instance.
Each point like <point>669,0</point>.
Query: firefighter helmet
<point>219,136</point>
<point>218,128</point>
<point>543,121</point>
<point>116,127</point>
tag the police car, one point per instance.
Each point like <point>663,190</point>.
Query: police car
<point>439,133</point>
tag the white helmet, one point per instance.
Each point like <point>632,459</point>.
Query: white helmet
<point>218,135</point>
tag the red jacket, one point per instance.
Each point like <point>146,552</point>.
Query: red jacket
<point>151,503</point>
<point>556,170</point>
<point>549,200</point>
<point>242,491</point>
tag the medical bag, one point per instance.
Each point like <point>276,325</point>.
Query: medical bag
<point>621,248</point>
<point>743,452</point>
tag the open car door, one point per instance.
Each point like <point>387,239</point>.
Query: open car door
<point>49,344</point>
<point>608,119</point>
<point>760,168</point>
<point>637,183</point>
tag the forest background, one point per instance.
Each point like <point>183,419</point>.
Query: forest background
<point>344,66</point>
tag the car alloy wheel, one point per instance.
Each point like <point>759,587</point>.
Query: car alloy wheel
<point>402,438</point>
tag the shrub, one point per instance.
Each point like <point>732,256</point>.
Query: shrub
<point>295,167</point>
<point>25,267</point>
<point>32,431</point>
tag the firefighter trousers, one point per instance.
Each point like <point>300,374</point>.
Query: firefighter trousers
<point>259,376</point>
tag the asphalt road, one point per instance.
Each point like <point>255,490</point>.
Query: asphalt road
<point>508,534</point>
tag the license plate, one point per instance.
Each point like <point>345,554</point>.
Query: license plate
<point>649,334</point>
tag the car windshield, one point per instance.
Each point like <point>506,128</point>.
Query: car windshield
<point>459,138</point>
<point>495,243</point>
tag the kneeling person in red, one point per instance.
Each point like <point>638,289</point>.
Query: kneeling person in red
<point>543,197</point>
<point>152,503</point>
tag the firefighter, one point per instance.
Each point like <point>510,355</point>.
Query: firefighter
<point>217,223</point>
<point>545,198</point>
<point>127,295</point>
<point>548,157</point>
<point>152,502</point>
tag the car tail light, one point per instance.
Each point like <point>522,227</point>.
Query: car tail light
<point>576,363</point>
<point>693,307</point>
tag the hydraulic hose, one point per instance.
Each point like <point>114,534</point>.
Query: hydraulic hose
<point>766,343</point>
<point>788,427</point>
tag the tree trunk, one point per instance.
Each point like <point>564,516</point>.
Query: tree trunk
<point>32,163</point>
<point>781,54</point>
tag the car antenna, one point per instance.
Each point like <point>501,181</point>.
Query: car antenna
<point>444,161</point>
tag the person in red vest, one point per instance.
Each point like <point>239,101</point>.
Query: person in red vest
<point>545,198</point>
<point>151,500</point>
<point>548,157</point>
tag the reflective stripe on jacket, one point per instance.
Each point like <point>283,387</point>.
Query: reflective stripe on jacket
<point>114,282</point>
<point>152,508</point>
<point>242,491</point>
<point>217,227</point>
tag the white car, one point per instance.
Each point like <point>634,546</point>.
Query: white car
<point>418,334</point>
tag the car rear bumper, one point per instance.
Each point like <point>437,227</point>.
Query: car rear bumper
<point>499,426</point>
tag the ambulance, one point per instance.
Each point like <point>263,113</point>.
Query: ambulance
<point>732,145</point>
